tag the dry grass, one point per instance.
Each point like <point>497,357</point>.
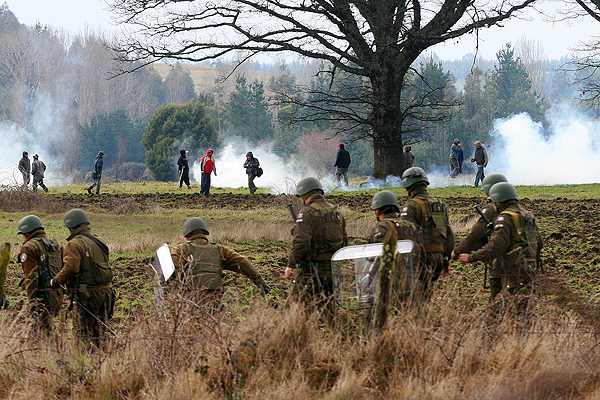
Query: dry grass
<point>285,354</point>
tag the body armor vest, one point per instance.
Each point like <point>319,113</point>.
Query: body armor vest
<point>330,236</point>
<point>49,265</point>
<point>434,223</point>
<point>203,266</point>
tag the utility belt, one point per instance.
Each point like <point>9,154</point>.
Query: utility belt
<point>323,257</point>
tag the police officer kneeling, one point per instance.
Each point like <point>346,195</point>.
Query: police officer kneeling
<point>199,264</point>
<point>514,246</point>
<point>87,274</point>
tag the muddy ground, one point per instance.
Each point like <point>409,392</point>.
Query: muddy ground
<point>570,229</point>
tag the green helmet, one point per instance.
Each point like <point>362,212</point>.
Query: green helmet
<point>414,175</point>
<point>75,217</point>
<point>307,184</point>
<point>491,180</point>
<point>502,191</point>
<point>29,224</point>
<point>384,198</point>
<point>194,224</point>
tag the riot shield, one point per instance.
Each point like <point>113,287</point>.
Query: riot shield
<point>355,272</point>
<point>163,264</point>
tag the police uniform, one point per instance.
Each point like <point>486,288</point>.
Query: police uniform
<point>319,232</point>
<point>431,215</point>
<point>87,273</point>
<point>513,247</point>
<point>201,262</point>
<point>39,255</point>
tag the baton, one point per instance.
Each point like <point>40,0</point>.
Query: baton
<point>488,224</point>
<point>64,289</point>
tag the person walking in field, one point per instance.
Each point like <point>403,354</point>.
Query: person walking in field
<point>409,157</point>
<point>87,274</point>
<point>97,172</point>
<point>481,159</point>
<point>480,234</point>
<point>454,150</point>
<point>431,216</point>
<point>37,170</point>
<point>41,259</point>
<point>207,166</point>
<point>514,247</point>
<point>25,168</point>
<point>342,163</point>
<point>251,164</point>
<point>460,158</point>
<point>199,264</point>
<point>184,169</point>
<point>319,232</point>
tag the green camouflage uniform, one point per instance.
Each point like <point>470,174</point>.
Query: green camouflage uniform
<point>515,255</point>
<point>476,239</point>
<point>437,233</point>
<point>87,274</point>
<point>319,232</point>
<point>39,256</point>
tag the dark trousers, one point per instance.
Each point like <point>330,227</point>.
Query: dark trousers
<point>184,177</point>
<point>41,183</point>
<point>99,302</point>
<point>251,184</point>
<point>205,183</point>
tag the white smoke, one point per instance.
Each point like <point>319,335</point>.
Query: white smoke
<point>280,175</point>
<point>567,154</point>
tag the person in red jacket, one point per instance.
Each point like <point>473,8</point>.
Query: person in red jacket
<point>207,165</point>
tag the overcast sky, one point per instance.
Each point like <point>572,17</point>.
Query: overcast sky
<point>556,39</point>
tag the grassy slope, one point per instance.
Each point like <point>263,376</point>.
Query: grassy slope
<point>138,220</point>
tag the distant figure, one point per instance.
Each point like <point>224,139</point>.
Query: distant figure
<point>207,166</point>
<point>460,157</point>
<point>454,158</point>
<point>184,169</point>
<point>251,164</point>
<point>342,162</point>
<point>481,159</point>
<point>37,170</point>
<point>25,168</point>
<point>409,157</point>
<point>97,173</point>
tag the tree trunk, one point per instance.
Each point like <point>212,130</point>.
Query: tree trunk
<point>387,157</point>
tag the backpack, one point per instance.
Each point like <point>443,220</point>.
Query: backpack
<point>259,172</point>
<point>526,238</point>
<point>434,223</point>
<point>99,273</point>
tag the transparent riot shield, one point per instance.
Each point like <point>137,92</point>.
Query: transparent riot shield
<point>356,273</point>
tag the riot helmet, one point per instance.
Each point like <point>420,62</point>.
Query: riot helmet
<point>384,198</point>
<point>75,217</point>
<point>194,224</point>
<point>414,175</point>
<point>29,224</point>
<point>502,191</point>
<point>491,180</point>
<point>308,184</point>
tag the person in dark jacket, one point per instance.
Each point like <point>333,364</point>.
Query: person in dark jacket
<point>184,169</point>
<point>454,158</point>
<point>409,157</point>
<point>460,157</point>
<point>342,162</point>
<point>251,164</point>
<point>37,170</point>
<point>97,173</point>
<point>481,159</point>
<point>25,168</point>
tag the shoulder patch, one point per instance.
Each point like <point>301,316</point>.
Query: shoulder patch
<point>23,257</point>
<point>500,218</point>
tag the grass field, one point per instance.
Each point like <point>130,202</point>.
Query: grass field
<point>260,349</point>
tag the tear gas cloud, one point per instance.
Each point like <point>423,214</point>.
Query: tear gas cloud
<point>279,175</point>
<point>567,154</point>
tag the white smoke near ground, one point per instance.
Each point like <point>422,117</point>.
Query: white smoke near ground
<point>567,154</point>
<point>280,175</point>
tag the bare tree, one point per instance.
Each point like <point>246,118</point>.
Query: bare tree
<point>377,40</point>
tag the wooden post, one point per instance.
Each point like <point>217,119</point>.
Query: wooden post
<point>386,268</point>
